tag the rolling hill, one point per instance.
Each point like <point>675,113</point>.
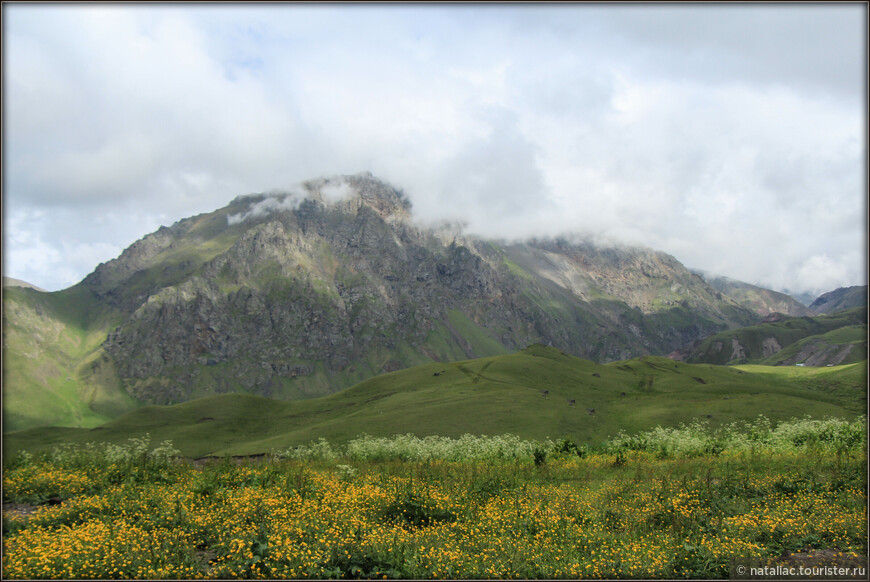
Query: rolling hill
<point>586,401</point>
<point>50,342</point>
<point>11,282</point>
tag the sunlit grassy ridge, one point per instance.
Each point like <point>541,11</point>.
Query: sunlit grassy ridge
<point>489,396</point>
<point>651,505</point>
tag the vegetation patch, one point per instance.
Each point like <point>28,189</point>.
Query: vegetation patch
<point>658,504</point>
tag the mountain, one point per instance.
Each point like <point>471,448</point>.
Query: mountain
<point>11,282</point>
<point>760,300</point>
<point>302,293</point>
<point>840,300</point>
<point>585,401</point>
<point>838,338</point>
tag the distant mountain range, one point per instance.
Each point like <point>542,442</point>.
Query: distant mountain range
<point>302,293</point>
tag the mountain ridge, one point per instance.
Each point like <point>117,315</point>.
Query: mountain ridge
<point>301,293</point>
<point>12,282</point>
<point>760,300</point>
<point>352,276</point>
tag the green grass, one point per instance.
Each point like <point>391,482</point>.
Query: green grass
<point>491,396</point>
<point>481,343</point>
<point>516,270</point>
<point>50,342</point>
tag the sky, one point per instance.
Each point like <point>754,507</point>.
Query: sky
<point>731,136</point>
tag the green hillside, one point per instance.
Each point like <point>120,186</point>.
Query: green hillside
<point>489,396</point>
<point>838,338</point>
<point>50,341</point>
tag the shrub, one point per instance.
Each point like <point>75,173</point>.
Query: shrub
<point>320,450</point>
<point>696,439</point>
<point>568,446</point>
<point>414,510</point>
<point>540,457</point>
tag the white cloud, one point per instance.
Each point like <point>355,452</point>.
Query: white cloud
<point>26,254</point>
<point>274,202</point>
<point>30,257</point>
<point>821,272</point>
<point>727,135</point>
<point>336,190</point>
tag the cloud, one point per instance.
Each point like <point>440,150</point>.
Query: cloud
<point>32,257</point>
<point>821,272</point>
<point>336,190</point>
<point>274,202</point>
<point>729,136</point>
<point>330,191</point>
<point>492,183</point>
<point>139,102</point>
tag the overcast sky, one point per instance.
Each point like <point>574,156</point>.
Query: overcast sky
<point>730,136</point>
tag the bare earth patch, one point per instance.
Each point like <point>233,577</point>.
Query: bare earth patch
<point>19,511</point>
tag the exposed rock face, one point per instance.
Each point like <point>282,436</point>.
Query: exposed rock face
<point>303,293</point>
<point>737,351</point>
<point>769,346</point>
<point>821,353</point>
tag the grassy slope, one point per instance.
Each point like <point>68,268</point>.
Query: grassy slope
<point>717,349</point>
<point>846,384</point>
<point>46,376</point>
<point>491,396</point>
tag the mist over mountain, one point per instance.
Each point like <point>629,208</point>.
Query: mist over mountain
<point>301,293</point>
